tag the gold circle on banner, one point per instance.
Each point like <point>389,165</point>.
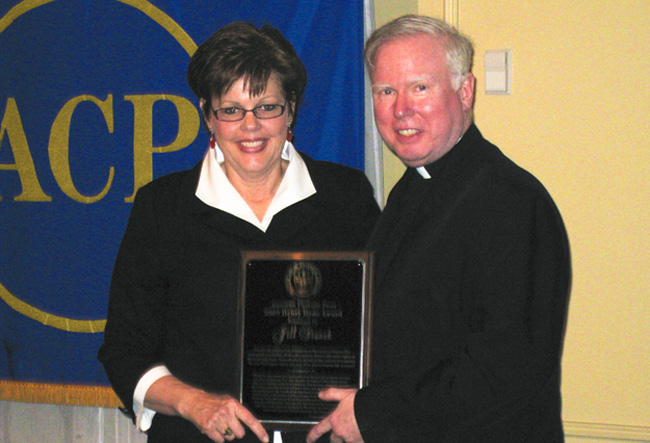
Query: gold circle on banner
<point>186,42</point>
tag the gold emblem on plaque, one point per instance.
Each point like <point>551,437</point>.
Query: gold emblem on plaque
<point>303,280</point>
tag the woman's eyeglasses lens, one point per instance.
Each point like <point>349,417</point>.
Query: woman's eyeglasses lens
<point>233,113</point>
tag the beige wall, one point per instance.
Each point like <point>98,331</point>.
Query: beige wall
<point>578,118</point>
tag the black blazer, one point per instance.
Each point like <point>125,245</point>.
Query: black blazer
<point>473,277</point>
<point>173,296</point>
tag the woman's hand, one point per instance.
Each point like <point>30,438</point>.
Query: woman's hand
<point>220,417</point>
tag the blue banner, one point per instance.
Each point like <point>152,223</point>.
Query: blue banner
<point>93,105</point>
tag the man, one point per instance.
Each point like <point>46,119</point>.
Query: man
<point>472,267</point>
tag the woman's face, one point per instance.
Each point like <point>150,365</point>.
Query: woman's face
<point>251,147</point>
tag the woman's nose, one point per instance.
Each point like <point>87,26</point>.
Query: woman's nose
<point>250,122</point>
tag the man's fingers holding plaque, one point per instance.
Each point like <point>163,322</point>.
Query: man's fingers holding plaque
<point>322,428</point>
<point>341,421</point>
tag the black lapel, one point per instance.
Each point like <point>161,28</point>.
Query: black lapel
<point>404,209</point>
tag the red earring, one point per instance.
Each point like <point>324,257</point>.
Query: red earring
<point>289,135</point>
<point>213,142</point>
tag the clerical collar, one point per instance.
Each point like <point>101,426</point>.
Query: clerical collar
<point>422,170</point>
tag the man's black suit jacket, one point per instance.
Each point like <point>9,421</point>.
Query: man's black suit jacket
<point>473,276</point>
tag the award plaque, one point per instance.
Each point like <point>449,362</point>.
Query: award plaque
<point>304,327</point>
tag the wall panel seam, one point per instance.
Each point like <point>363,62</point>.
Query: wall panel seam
<point>607,431</point>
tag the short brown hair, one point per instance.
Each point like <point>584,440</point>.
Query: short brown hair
<point>241,50</point>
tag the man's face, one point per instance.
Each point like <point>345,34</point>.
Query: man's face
<point>418,113</point>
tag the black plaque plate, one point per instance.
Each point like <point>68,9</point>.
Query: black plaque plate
<point>303,327</point>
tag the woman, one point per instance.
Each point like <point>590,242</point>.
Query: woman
<point>171,337</point>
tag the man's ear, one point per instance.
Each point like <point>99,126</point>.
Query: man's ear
<point>466,91</point>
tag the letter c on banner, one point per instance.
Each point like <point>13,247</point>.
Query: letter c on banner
<point>186,42</point>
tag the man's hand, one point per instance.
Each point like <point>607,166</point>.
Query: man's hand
<point>341,421</point>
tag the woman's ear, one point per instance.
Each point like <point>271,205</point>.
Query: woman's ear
<point>205,115</point>
<point>291,107</point>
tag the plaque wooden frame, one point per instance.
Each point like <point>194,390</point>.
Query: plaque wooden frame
<point>291,339</point>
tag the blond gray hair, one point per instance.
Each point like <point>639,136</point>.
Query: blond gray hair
<point>458,48</point>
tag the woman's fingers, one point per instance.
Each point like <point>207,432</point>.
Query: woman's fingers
<point>253,424</point>
<point>220,417</point>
